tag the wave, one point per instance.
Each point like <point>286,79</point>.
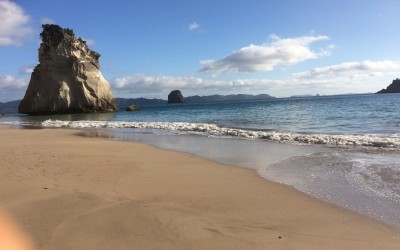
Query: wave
<point>361,181</point>
<point>372,141</point>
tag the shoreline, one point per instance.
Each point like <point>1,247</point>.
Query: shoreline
<point>307,168</point>
<point>69,191</point>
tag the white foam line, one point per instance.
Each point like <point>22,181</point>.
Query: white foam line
<point>214,130</point>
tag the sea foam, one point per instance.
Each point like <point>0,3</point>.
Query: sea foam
<point>206,129</point>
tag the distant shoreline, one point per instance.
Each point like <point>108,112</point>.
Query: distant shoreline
<point>12,106</point>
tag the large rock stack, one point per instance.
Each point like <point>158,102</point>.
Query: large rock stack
<point>67,78</point>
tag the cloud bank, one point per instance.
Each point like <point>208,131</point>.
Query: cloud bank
<point>266,57</point>
<point>159,85</point>
<point>349,69</point>
<point>12,88</point>
<point>356,77</point>
<point>10,83</point>
<point>14,24</point>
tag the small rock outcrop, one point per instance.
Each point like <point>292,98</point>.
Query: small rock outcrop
<point>175,97</point>
<point>132,108</point>
<point>67,78</point>
<point>392,88</point>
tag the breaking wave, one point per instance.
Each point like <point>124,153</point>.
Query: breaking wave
<point>371,141</point>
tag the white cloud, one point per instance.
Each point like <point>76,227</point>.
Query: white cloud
<point>12,88</point>
<point>14,25</point>
<point>159,86</point>
<point>350,69</point>
<point>349,77</point>
<point>193,26</point>
<point>266,57</point>
<point>354,77</point>
<point>48,21</point>
<point>27,70</point>
<point>10,83</point>
<point>90,42</point>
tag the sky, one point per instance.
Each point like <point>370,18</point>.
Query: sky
<point>203,47</point>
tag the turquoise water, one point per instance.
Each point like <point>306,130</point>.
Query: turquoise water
<point>341,149</point>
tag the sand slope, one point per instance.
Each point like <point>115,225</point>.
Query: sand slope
<point>71,192</point>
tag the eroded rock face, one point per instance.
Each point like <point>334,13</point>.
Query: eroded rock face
<point>67,78</point>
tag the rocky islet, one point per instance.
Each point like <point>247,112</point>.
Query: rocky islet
<point>176,97</point>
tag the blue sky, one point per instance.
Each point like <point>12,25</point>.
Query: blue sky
<point>148,48</point>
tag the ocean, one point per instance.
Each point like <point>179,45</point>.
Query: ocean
<point>341,149</point>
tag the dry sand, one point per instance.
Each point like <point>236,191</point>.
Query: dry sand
<point>71,192</point>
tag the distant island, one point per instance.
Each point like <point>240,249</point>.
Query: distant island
<point>142,102</point>
<point>392,88</point>
<point>9,107</point>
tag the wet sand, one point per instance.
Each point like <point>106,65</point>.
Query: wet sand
<point>73,192</point>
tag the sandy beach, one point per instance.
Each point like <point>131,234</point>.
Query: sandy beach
<point>73,192</point>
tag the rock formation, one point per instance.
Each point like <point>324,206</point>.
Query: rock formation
<point>175,97</point>
<point>392,88</point>
<point>132,108</point>
<point>67,78</point>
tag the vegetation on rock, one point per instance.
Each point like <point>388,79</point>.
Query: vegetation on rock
<point>53,34</point>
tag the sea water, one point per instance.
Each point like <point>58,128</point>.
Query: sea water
<point>341,149</point>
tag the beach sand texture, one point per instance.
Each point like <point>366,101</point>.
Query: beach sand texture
<point>73,192</point>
